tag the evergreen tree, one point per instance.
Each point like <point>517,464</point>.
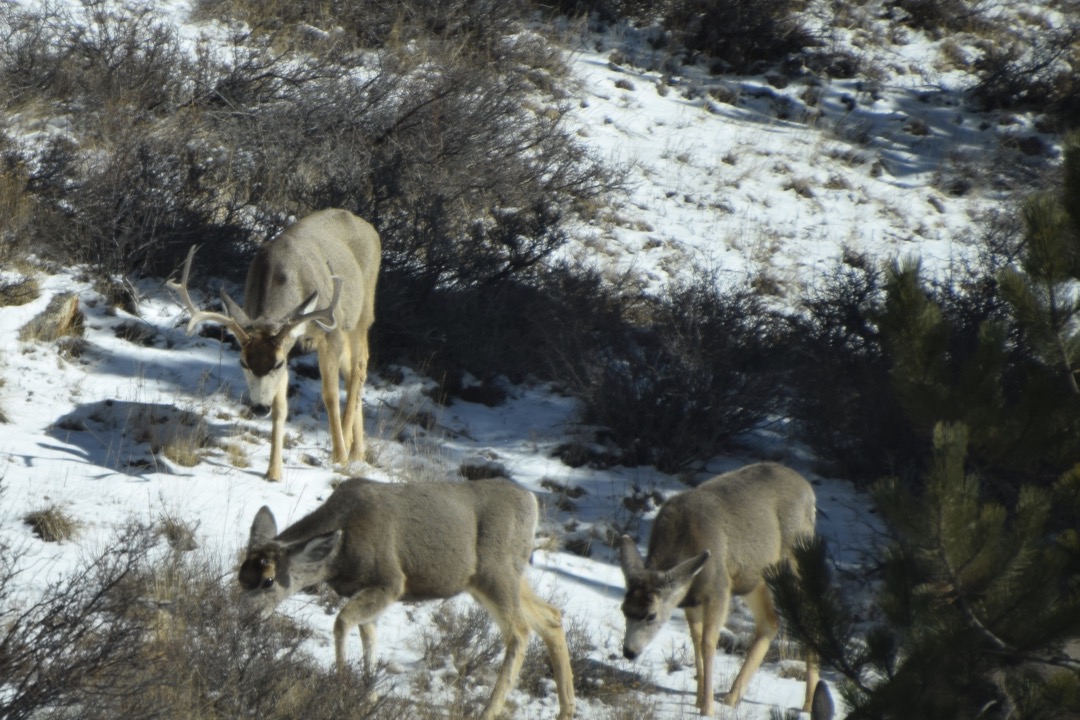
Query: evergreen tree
<point>1012,379</point>
<point>976,602</point>
<point>1043,289</point>
<point>933,378</point>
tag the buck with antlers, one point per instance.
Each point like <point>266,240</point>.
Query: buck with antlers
<point>708,544</point>
<point>329,256</point>
<point>377,543</point>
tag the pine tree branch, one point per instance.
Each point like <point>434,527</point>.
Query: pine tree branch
<point>960,600</point>
<point>1069,372</point>
<point>1056,324</point>
<point>1060,660</point>
<point>954,582</point>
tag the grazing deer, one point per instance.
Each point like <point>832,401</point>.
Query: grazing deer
<point>708,544</point>
<point>377,543</point>
<point>330,255</point>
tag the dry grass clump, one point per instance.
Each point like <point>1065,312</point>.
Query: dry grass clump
<point>60,318</point>
<point>186,444</point>
<point>180,534</point>
<point>236,454</point>
<point>181,436</point>
<point>52,524</point>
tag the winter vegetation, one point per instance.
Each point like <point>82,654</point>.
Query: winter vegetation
<point>626,246</point>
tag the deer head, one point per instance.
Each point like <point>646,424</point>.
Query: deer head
<point>264,342</point>
<point>651,595</point>
<point>274,570</point>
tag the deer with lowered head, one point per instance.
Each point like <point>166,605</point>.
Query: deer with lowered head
<point>329,256</point>
<point>707,544</point>
<point>377,543</point>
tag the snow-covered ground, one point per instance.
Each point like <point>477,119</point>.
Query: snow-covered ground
<point>766,187</point>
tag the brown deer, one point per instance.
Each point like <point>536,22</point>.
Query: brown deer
<point>329,256</point>
<point>708,544</point>
<point>376,543</point>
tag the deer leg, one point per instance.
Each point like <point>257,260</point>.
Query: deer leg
<point>714,613</point>
<point>767,624</point>
<point>279,411</point>
<point>355,371</point>
<point>329,367</point>
<point>693,619</point>
<point>546,620</point>
<point>345,365</point>
<point>811,679</point>
<point>361,610</point>
<point>504,606</point>
<point>367,639</point>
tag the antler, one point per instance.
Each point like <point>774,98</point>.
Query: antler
<point>299,316</point>
<point>200,316</point>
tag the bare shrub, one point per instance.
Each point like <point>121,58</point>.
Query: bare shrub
<point>60,650</point>
<point>699,370</point>
<point>467,637</point>
<point>606,11</point>
<point>840,389</point>
<point>739,33</point>
<point>625,692</point>
<point>140,206</point>
<point>139,634</point>
<point>1043,73</point>
<point>441,123</point>
<point>443,147</point>
<point>19,290</point>
<point>477,27</point>
<point>543,326</point>
<point>940,16</point>
<point>90,54</point>
<point>16,204</point>
<point>246,666</point>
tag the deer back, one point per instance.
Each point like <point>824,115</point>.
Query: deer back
<point>302,260</point>
<point>440,536</point>
<point>748,519</point>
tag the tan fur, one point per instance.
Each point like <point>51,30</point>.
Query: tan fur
<point>330,256</point>
<point>377,543</point>
<point>708,544</point>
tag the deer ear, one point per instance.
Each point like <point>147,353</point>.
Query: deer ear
<point>629,557</point>
<point>317,551</point>
<point>235,311</point>
<point>264,528</point>
<point>685,571</point>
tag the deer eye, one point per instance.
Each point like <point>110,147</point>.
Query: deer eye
<point>243,364</point>
<point>279,364</point>
<point>268,583</point>
<point>651,617</point>
<point>264,561</point>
